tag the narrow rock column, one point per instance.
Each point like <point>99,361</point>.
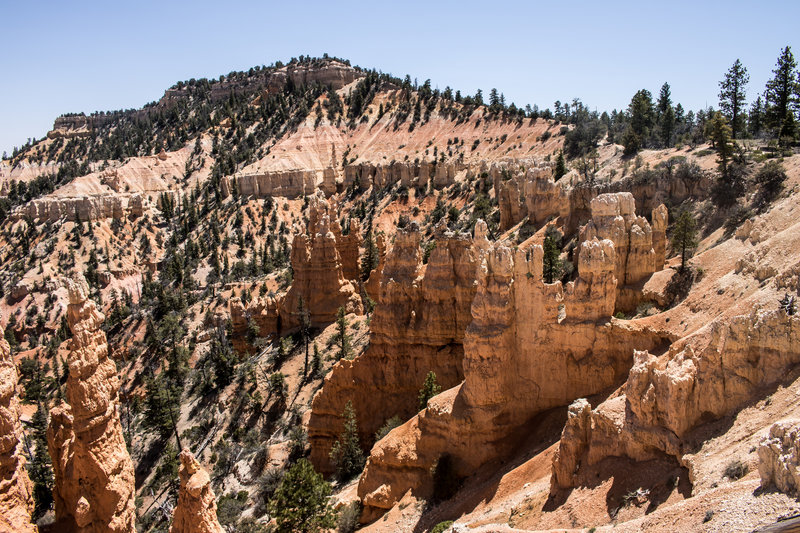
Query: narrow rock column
<point>196,511</point>
<point>94,478</point>
<point>16,497</point>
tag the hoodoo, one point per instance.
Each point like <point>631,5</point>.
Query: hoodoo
<point>94,481</point>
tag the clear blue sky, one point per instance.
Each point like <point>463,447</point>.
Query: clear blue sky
<point>76,56</point>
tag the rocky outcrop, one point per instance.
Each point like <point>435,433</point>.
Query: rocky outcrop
<point>196,510</point>
<point>574,441</point>
<point>531,346</point>
<point>330,73</point>
<point>614,218</point>
<point>707,376</point>
<point>698,381</point>
<point>531,194</point>
<point>318,275</point>
<point>285,183</point>
<point>417,327</point>
<point>659,223</point>
<point>16,497</point>
<point>54,208</point>
<point>264,311</point>
<point>408,174</point>
<point>348,247</point>
<point>94,479</point>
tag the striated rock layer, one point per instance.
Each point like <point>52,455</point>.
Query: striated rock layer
<point>418,327</point>
<point>94,478</point>
<point>531,346</point>
<point>16,497</point>
<point>196,511</point>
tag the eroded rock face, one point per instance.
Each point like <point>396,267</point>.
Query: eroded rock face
<point>16,497</point>
<point>614,218</point>
<point>574,441</point>
<point>365,175</point>
<point>94,479</point>
<point>318,275</point>
<point>778,457</point>
<point>709,375</point>
<point>196,511</point>
<point>531,346</point>
<point>418,326</point>
<point>532,194</point>
<point>52,209</point>
<point>264,311</point>
<point>288,183</point>
<point>698,380</point>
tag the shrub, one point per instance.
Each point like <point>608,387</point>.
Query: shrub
<point>736,469</point>
<point>349,517</point>
<point>389,425</point>
<point>441,527</point>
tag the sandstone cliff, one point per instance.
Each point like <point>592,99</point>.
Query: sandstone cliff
<point>94,479</point>
<point>532,194</point>
<point>530,346</point>
<point>417,327</point>
<point>16,498</point>
<point>196,510</point>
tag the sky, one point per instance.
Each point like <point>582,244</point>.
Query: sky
<point>60,57</point>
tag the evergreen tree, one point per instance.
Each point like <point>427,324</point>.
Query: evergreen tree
<point>370,259</point>
<point>429,389</point>
<point>732,96</point>
<point>551,264</point>
<point>561,166</point>
<point>40,468</point>
<point>770,183</point>
<point>781,95</point>
<point>342,337</point>
<point>316,361</point>
<point>684,237</point>
<point>666,116</point>
<point>300,504</point>
<point>304,318</point>
<point>642,115</point>
<point>755,121</point>
<point>346,454</point>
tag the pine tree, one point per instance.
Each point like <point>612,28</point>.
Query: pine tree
<point>429,389</point>
<point>304,318</point>
<point>684,237</point>
<point>642,116</point>
<point>781,95</point>
<point>301,502</point>
<point>370,259</point>
<point>666,116</point>
<point>40,468</point>
<point>346,454</point>
<point>316,361</point>
<point>732,96</point>
<point>551,263</point>
<point>561,166</point>
<point>342,337</point>
<point>755,121</point>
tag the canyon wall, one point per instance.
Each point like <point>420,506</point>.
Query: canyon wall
<point>16,496</point>
<point>417,327</point>
<point>531,346</point>
<point>94,479</point>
